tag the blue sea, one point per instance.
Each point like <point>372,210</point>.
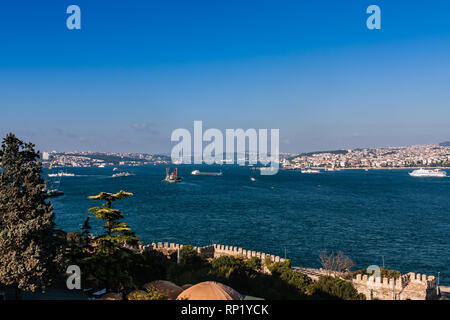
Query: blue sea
<point>367,215</point>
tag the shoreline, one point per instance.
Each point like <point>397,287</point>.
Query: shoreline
<point>370,168</point>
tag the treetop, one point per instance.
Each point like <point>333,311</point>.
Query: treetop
<point>111,196</point>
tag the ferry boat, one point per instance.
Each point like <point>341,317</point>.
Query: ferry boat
<point>428,173</point>
<point>172,177</point>
<point>50,190</point>
<point>198,173</point>
<point>122,174</point>
<point>61,174</point>
<point>310,171</point>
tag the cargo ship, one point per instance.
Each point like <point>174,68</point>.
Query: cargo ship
<point>198,173</point>
<point>172,177</point>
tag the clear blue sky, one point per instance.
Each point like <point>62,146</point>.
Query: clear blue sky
<point>139,69</point>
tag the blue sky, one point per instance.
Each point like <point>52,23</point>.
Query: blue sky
<point>137,70</point>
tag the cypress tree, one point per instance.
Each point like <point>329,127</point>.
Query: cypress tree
<point>29,257</point>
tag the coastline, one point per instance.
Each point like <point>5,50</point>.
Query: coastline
<point>370,168</point>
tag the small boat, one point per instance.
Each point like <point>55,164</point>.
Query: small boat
<point>52,193</point>
<point>198,173</point>
<point>172,177</point>
<point>122,174</point>
<point>115,169</point>
<point>428,173</point>
<point>252,179</point>
<point>310,171</point>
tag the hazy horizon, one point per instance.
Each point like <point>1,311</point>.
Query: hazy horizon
<point>294,152</point>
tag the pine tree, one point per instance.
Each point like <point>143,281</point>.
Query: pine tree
<point>117,233</point>
<point>108,260</point>
<point>29,257</point>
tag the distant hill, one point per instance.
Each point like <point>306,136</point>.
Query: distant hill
<point>445,144</point>
<point>319,152</point>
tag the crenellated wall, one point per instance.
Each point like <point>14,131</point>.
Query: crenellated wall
<point>410,286</point>
<point>211,251</point>
<point>222,250</point>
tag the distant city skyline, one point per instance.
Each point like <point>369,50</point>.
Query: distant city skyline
<point>138,70</point>
<point>443,143</point>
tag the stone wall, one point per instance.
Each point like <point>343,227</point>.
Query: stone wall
<point>410,286</point>
<point>222,250</point>
<point>211,251</point>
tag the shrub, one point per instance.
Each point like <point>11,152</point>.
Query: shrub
<point>150,294</point>
<point>335,288</point>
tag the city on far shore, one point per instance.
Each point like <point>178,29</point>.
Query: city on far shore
<point>426,155</point>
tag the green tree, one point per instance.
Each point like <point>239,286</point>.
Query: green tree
<point>149,294</point>
<point>117,232</point>
<point>193,268</point>
<point>29,256</point>
<point>335,289</point>
<point>283,271</point>
<point>105,256</point>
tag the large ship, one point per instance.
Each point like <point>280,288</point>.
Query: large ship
<point>198,173</point>
<point>427,173</point>
<point>172,177</point>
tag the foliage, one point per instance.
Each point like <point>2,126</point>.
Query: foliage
<point>244,276</point>
<point>190,259</point>
<point>191,269</point>
<point>335,288</point>
<point>283,271</point>
<point>117,233</point>
<point>150,294</point>
<point>253,263</point>
<point>105,257</point>
<point>30,253</point>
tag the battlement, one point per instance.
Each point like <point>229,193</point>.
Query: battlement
<point>428,281</point>
<point>222,250</point>
<point>378,282</point>
<point>211,251</point>
<point>414,286</point>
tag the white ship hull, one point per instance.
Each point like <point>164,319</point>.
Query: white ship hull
<point>428,173</point>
